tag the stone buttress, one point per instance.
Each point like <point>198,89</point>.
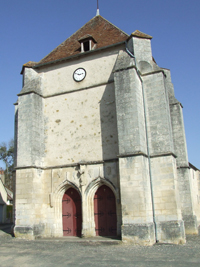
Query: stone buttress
<point>148,172</point>
<point>29,136</point>
<point>183,169</point>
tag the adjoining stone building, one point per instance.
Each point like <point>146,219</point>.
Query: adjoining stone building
<point>100,143</point>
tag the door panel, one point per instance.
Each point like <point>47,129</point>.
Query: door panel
<point>105,212</point>
<point>72,213</point>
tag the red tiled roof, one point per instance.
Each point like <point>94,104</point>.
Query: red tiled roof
<point>103,32</point>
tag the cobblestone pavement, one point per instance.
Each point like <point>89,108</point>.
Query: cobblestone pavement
<point>98,252</point>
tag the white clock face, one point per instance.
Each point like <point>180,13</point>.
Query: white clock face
<point>79,74</point>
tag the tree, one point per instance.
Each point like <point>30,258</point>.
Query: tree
<point>7,156</point>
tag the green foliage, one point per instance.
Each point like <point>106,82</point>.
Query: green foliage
<point>7,155</point>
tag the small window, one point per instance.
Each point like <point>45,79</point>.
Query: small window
<point>87,43</point>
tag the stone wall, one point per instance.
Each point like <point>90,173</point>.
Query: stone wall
<point>81,128</point>
<point>39,208</point>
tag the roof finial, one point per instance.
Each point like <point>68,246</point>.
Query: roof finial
<point>97,14</point>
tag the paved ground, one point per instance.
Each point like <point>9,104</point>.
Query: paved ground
<point>95,252</point>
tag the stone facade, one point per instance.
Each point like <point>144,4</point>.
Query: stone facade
<point>121,127</point>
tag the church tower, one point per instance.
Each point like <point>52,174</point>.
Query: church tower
<point>100,143</point>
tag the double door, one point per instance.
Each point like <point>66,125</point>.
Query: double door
<point>104,212</point>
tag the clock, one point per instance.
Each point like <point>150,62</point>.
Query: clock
<point>79,74</point>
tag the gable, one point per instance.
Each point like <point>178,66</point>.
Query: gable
<point>102,31</point>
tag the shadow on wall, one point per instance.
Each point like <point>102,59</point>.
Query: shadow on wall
<point>110,146</point>
<point>109,133</point>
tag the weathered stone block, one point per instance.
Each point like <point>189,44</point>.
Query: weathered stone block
<point>141,234</point>
<point>190,222</point>
<point>171,232</point>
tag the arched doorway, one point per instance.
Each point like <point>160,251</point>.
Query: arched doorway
<point>105,212</point>
<point>71,213</point>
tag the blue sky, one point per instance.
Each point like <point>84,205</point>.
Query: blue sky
<point>30,29</point>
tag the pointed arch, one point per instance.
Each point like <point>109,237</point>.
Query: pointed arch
<point>62,188</point>
<point>96,183</point>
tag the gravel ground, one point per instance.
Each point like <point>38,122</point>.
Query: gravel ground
<point>76,252</point>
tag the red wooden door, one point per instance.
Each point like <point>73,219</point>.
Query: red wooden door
<point>71,213</point>
<point>105,212</point>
